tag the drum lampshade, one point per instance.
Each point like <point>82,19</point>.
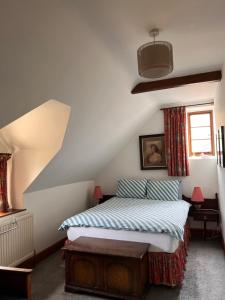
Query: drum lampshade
<point>155,59</point>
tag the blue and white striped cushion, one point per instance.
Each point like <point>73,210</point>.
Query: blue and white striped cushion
<point>131,188</point>
<point>163,189</point>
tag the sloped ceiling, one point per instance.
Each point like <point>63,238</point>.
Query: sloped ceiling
<point>83,52</point>
<point>33,139</point>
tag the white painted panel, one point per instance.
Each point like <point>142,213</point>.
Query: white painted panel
<point>51,207</point>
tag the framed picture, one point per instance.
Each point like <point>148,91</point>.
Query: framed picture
<point>152,152</point>
<point>220,147</point>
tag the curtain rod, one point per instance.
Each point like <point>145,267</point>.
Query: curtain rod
<point>190,105</point>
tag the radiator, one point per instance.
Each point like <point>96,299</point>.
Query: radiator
<point>16,239</point>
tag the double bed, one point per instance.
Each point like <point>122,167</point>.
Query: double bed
<point>160,223</point>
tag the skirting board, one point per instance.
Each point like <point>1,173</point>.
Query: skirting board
<point>223,241</point>
<point>28,257</point>
<point>32,261</point>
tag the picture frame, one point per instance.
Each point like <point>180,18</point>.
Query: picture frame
<point>220,147</point>
<point>152,152</point>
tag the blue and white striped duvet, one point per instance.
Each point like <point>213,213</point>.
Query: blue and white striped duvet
<point>136,215</point>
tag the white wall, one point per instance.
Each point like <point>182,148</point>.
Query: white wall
<point>67,52</point>
<point>220,121</point>
<point>127,164</point>
<point>52,206</point>
<point>82,53</point>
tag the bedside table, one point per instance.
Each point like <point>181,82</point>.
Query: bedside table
<point>206,215</point>
<point>105,198</point>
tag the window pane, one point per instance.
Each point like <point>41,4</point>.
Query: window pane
<point>201,146</point>
<point>200,120</point>
<point>200,133</point>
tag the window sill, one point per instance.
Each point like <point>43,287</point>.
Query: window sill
<point>10,212</point>
<point>202,157</point>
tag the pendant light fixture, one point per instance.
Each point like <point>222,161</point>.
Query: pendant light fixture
<point>155,59</point>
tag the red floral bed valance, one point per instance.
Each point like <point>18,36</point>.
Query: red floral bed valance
<point>168,268</point>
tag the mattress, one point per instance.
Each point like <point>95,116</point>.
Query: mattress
<point>159,242</point>
<point>131,214</point>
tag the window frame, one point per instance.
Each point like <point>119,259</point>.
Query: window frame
<point>189,114</point>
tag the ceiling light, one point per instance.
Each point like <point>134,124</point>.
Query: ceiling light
<point>155,59</point>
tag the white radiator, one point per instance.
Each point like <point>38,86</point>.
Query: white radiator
<point>16,238</point>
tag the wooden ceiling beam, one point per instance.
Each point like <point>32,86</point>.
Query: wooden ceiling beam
<point>144,87</point>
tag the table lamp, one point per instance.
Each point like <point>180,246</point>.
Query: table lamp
<point>98,193</point>
<point>197,197</point>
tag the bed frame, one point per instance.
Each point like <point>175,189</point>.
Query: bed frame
<point>209,203</point>
<point>168,268</point>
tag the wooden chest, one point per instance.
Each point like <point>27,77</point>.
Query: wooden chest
<point>107,267</point>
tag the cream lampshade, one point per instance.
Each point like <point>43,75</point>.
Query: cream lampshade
<point>155,59</point>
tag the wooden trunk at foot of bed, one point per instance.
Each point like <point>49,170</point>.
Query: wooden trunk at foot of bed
<point>107,267</point>
<point>167,268</point>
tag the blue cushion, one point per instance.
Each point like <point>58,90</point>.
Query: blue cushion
<point>163,189</point>
<point>131,188</point>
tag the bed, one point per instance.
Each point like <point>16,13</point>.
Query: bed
<point>158,242</point>
<point>160,223</point>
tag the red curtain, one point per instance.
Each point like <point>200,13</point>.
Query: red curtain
<point>3,179</point>
<point>175,141</point>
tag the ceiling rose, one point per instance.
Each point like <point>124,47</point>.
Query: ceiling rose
<point>155,59</point>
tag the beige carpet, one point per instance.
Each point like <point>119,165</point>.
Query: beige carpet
<point>204,277</point>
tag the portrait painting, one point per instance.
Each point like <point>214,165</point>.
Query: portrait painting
<point>152,152</point>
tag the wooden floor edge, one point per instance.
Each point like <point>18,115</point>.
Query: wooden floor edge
<point>37,258</point>
<point>223,240</point>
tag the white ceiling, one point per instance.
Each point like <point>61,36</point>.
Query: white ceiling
<point>203,92</point>
<point>195,28</point>
<point>83,53</point>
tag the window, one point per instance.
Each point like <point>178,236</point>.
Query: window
<point>200,133</point>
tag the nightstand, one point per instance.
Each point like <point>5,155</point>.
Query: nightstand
<point>206,215</point>
<point>105,198</point>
